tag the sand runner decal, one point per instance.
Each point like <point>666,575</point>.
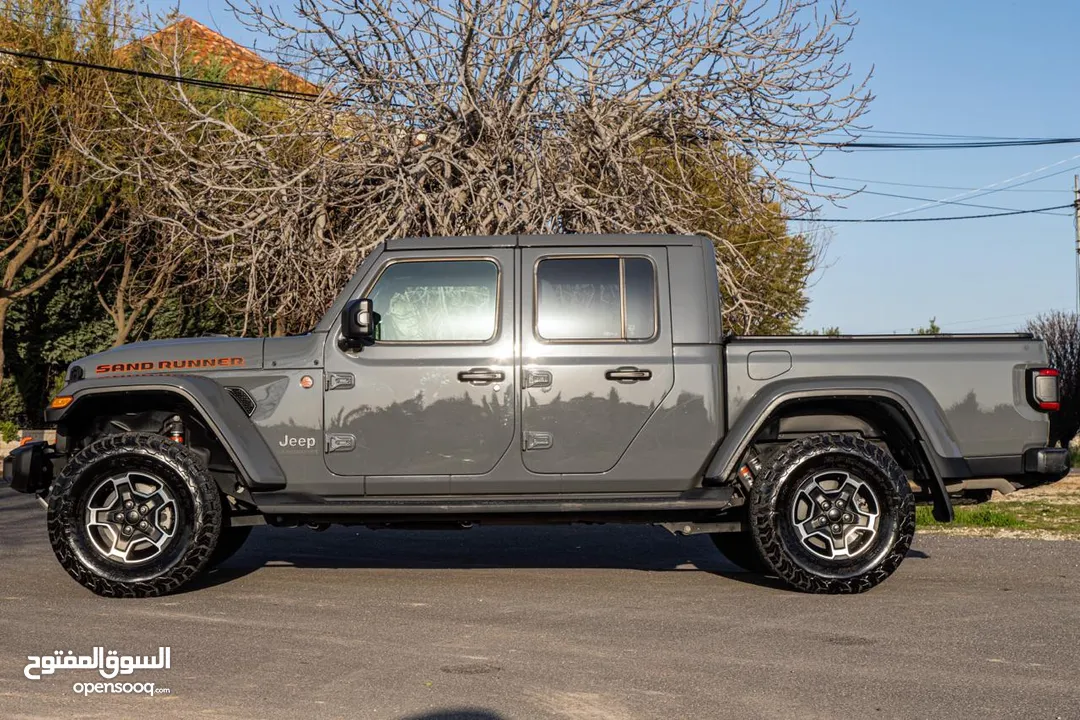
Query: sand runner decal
<point>134,367</point>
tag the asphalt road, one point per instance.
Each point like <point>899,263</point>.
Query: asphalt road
<point>584,623</point>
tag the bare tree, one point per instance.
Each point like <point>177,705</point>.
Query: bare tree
<point>448,117</point>
<point>1061,332</point>
<point>138,271</point>
<point>53,209</point>
<point>252,199</point>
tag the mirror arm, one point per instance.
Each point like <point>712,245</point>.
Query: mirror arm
<point>346,345</point>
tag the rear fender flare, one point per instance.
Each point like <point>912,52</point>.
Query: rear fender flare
<point>918,406</point>
<point>254,460</point>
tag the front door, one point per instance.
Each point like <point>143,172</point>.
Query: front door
<point>596,353</point>
<point>434,395</point>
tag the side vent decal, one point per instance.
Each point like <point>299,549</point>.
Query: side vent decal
<point>243,399</point>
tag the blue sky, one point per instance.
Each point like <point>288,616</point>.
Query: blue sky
<point>974,68</point>
<point>995,68</point>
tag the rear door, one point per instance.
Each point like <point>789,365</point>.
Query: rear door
<point>596,353</point>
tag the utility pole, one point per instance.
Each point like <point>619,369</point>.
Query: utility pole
<point>1076,224</point>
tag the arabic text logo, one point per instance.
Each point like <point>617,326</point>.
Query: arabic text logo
<point>108,664</point>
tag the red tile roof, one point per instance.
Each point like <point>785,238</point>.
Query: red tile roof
<point>202,45</point>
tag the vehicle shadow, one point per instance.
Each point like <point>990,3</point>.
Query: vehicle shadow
<point>457,714</point>
<point>619,547</point>
<point>623,547</point>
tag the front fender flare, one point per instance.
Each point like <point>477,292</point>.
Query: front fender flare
<point>945,459</point>
<point>253,458</point>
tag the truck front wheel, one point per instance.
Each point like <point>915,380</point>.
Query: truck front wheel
<point>134,515</point>
<point>833,514</point>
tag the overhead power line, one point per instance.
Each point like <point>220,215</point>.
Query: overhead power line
<point>872,131</point>
<point>935,219</point>
<point>210,84</point>
<point>966,145</point>
<point>922,186</point>
<point>300,95</point>
<point>861,191</point>
<point>992,188</point>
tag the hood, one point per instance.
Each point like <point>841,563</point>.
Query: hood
<point>188,355</point>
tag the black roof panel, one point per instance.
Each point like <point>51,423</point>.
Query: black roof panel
<point>566,240</point>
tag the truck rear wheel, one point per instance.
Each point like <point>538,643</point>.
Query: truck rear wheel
<point>833,514</point>
<point>134,515</point>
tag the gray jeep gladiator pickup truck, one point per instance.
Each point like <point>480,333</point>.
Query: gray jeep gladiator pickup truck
<point>535,379</point>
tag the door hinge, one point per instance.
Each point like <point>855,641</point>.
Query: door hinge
<point>340,381</point>
<point>538,440</point>
<point>340,442</point>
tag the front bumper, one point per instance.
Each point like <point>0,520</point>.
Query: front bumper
<point>28,468</point>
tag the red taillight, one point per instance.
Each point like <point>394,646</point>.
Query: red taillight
<point>1044,389</point>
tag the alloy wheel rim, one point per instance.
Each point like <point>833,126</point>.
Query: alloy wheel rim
<point>835,515</point>
<point>131,517</point>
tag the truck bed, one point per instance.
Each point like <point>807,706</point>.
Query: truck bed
<point>978,380</point>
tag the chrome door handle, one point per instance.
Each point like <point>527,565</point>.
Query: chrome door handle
<point>480,376</point>
<point>628,374</point>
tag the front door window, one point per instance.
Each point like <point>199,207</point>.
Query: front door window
<point>437,301</point>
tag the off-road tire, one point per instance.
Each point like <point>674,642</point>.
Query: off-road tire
<point>229,543</point>
<point>773,531</point>
<point>199,517</point>
<point>740,548</point>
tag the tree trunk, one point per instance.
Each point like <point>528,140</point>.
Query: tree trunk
<point>5,304</point>
<point>122,333</point>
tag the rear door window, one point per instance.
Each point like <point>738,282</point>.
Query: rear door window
<point>595,299</point>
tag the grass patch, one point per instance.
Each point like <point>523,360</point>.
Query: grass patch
<point>1028,515</point>
<point>986,516</point>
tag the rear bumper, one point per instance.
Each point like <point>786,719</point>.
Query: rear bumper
<point>1037,466</point>
<point>28,468</point>
<point>1052,463</point>
<point>1034,467</point>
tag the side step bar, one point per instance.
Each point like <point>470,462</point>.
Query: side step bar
<point>294,504</point>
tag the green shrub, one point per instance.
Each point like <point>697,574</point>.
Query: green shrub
<point>9,431</point>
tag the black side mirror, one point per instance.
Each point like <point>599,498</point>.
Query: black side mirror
<point>358,323</point>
